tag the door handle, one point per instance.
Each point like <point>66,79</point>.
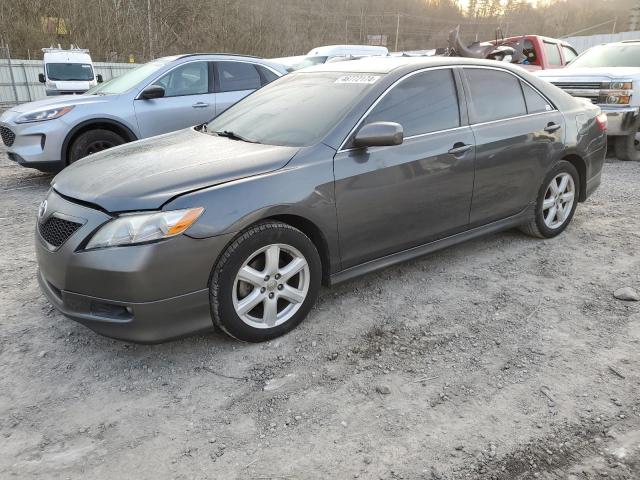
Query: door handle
<point>200,105</point>
<point>460,148</point>
<point>552,127</point>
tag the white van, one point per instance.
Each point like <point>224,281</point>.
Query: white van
<point>67,72</point>
<point>332,53</point>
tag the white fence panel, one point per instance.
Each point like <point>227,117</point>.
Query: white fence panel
<point>19,79</point>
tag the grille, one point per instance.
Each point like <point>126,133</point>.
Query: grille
<point>56,231</point>
<point>8,137</point>
<point>579,85</point>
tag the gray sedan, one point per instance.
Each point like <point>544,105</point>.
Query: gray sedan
<point>161,96</point>
<point>321,176</point>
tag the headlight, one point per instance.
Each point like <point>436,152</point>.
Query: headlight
<point>135,228</point>
<point>42,115</point>
<point>621,85</point>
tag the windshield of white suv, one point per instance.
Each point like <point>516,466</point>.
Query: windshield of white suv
<point>128,80</point>
<point>609,56</point>
<point>296,110</point>
<point>80,72</point>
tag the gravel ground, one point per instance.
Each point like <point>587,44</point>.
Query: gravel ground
<point>503,358</point>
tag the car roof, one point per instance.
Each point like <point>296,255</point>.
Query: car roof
<point>383,65</point>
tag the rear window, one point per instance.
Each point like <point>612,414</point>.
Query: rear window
<point>423,103</point>
<point>569,53</point>
<point>495,95</point>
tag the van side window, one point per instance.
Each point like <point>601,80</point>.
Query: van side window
<point>495,95</point>
<point>423,103</point>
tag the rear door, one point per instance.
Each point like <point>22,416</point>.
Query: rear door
<point>188,100</point>
<point>393,198</point>
<point>235,80</point>
<point>518,133</point>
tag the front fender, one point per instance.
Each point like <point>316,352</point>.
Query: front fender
<point>304,188</point>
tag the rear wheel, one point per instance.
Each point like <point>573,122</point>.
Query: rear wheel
<point>627,148</point>
<point>265,282</point>
<point>93,141</point>
<point>556,202</point>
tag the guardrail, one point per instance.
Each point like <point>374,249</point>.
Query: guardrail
<point>19,79</point>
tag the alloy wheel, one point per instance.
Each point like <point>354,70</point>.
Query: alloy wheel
<point>558,200</point>
<point>271,286</point>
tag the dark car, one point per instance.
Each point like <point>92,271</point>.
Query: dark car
<point>321,176</point>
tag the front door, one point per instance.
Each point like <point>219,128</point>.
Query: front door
<point>188,100</point>
<point>393,198</point>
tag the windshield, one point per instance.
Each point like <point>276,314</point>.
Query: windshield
<point>81,72</point>
<point>127,81</point>
<point>609,56</point>
<point>310,62</point>
<point>296,110</point>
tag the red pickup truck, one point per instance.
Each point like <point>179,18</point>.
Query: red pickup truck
<point>543,52</point>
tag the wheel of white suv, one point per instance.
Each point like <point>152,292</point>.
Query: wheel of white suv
<point>93,141</point>
<point>265,282</point>
<point>556,202</point>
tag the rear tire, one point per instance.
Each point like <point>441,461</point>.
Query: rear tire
<point>627,148</point>
<point>254,293</point>
<point>556,202</point>
<point>93,141</point>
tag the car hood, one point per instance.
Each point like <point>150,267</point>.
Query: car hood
<point>61,100</point>
<point>606,72</point>
<point>144,175</point>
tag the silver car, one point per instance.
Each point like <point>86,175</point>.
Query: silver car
<point>161,96</point>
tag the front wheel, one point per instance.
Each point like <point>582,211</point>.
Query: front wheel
<point>556,202</point>
<point>627,148</point>
<point>265,282</point>
<point>93,141</point>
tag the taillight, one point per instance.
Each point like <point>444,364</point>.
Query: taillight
<point>601,120</point>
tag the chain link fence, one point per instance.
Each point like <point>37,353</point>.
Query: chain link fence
<point>19,78</point>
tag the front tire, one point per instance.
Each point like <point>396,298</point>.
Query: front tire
<point>265,282</point>
<point>556,202</point>
<point>627,148</point>
<point>93,141</point>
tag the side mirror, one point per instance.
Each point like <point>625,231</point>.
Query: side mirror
<point>99,78</point>
<point>379,134</point>
<point>41,78</point>
<point>152,91</point>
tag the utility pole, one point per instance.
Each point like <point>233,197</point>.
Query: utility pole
<point>397,31</point>
<point>149,29</point>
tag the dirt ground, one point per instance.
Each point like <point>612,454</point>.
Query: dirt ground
<point>503,358</point>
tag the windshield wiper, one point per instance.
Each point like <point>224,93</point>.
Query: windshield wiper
<point>234,136</point>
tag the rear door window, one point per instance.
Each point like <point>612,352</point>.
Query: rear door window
<point>495,95</point>
<point>536,103</point>
<point>553,54</point>
<point>423,103</point>
<point>237,76</point>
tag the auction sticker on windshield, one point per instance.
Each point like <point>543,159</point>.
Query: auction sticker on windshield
<point>358,79</point>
